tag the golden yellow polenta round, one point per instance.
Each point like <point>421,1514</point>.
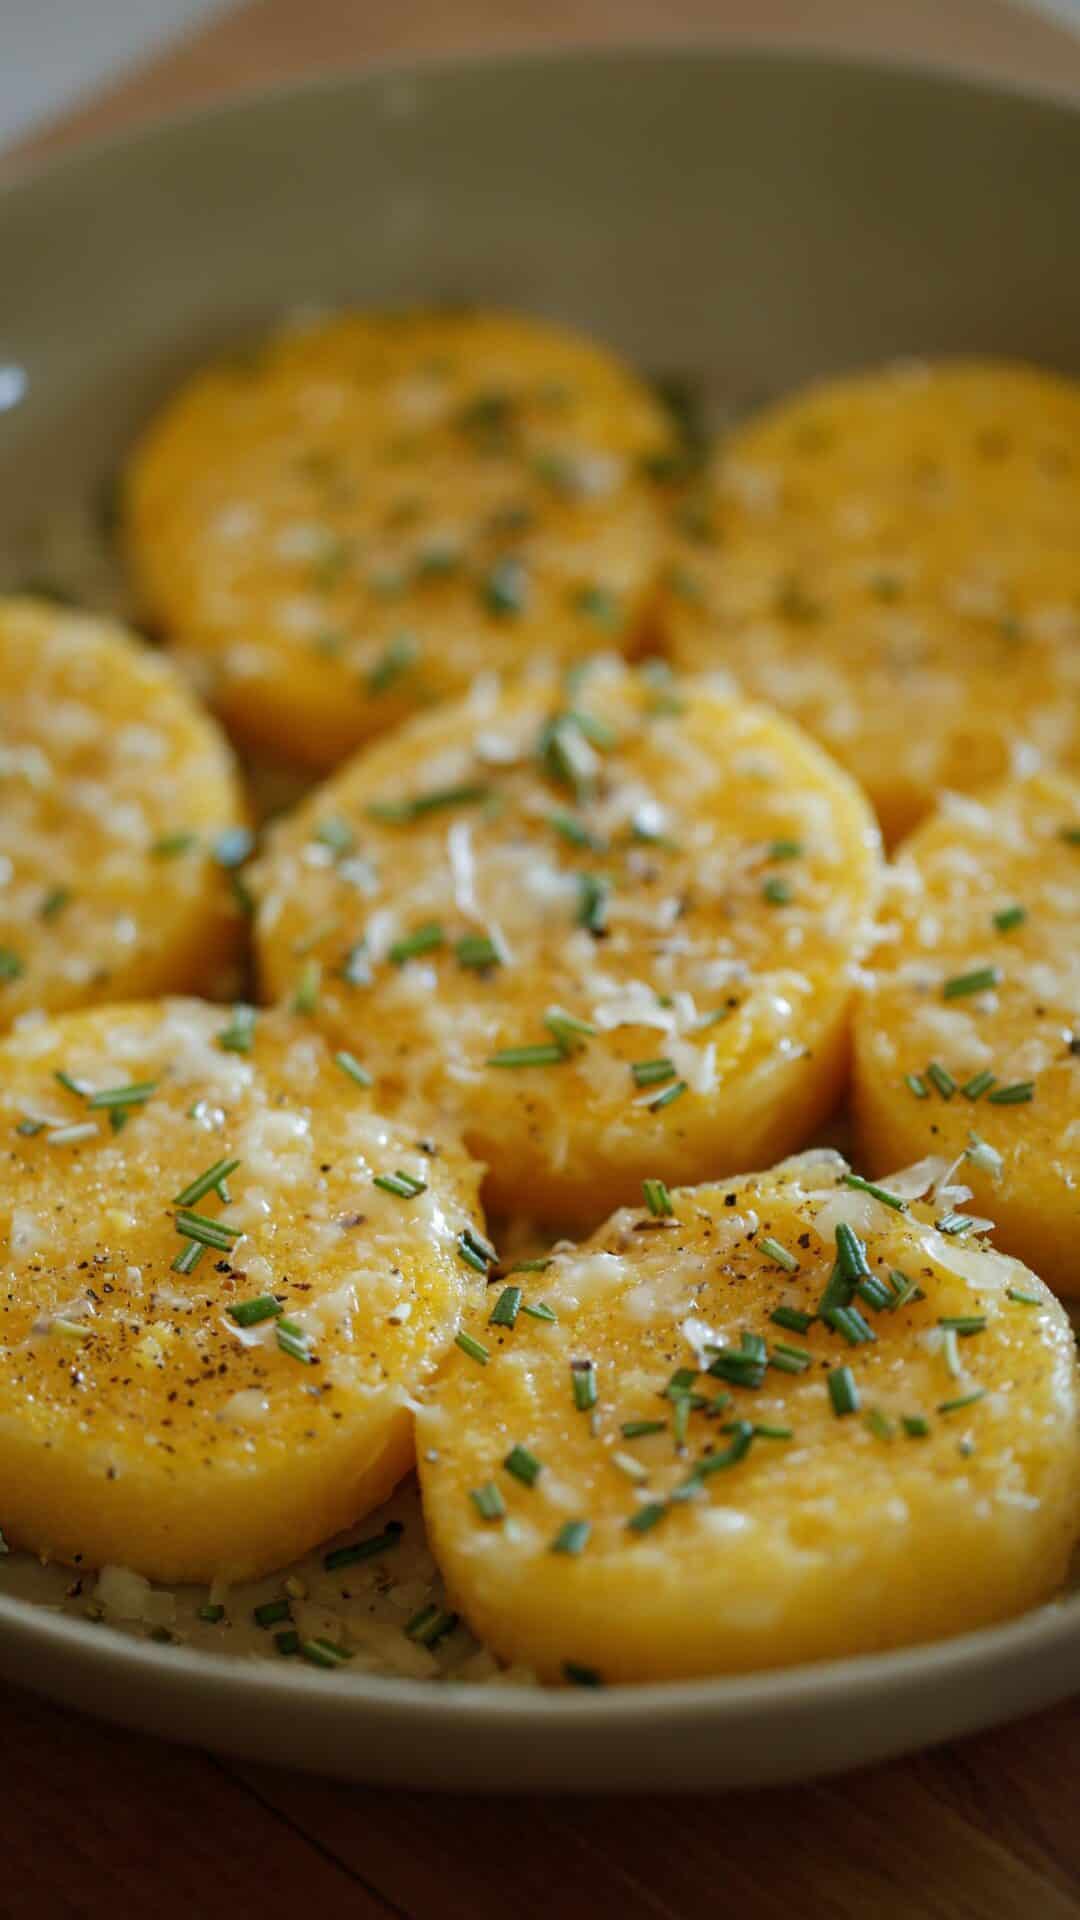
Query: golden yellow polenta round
<point>968,1038</point>
<point>686,1467</point>
<point>213,1317</point>
<point>372,509</point>
<point>119,812</point>
<point>894,560</point>
<point>611,929</point>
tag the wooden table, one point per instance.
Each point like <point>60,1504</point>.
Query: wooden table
<point>93,1821</point>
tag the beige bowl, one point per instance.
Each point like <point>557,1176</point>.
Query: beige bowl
<point>753,219</point>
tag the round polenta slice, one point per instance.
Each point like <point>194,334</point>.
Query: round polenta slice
<point>120,813</point>
<point>894,560</point>
<point>610,929</point>
<point>968,1037</point>
<point>224,1276</point>
<point>752,1425</point>
<point>372,509</point>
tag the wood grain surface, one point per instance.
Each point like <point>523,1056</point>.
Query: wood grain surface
<point>95,1821</point>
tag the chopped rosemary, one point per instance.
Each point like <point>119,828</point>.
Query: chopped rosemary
<point>488,1501</point>
<point>293,1341</point>
<point>965,1400</point>
<point>792,1318</point>
<point>523,1465</point>
<point>531,1266</point>
<point>477,951</point>
<point>323,1653</point>
<point>667,1095</point>
<point>878,1423</point>
<point>979,980</point>
<point>964,1324</point>
<point>211,1614</point>
<point>1006,918</point>
<point>843,1392</point>
<point>657,1199</point>
<point>400,813</point>
<point>54,902</point>
<point>777,891</point>
<point>583,1384</point>
<point>475,1251</point>
<point>168,845</point>
<point>306,994</point>
<point>1023,1299</point>
<point>426,939</point>
<point>350,1064</point>
<point>849,1322</point>
<point>905,1288</point>
<point>953,1223</point>
<point>575,832</point>
<point>475,1349</point>
<point>288,1641</point>
<point>567,1030</point>
<point>573,1537</point>
<point>875,1293</point>
<point>506,1308</point>
<point>375,1543</point>
<point>788,1359</point>
<point>539,1310</point>
<point>780,1257</point>
<point>213,1180</point>
<point>647,1517</point>
<point>650,1073</point>
<point>1014,1095</point>
<point>886,1198</point>
<point>11,965</point>
<point>134,1095</point>
<point>430,1625</point>
<point>979,1084</point>
<point>915,1426</point>
<point>405,1185</point>
<point>942,1079</point>
<point>239,1035</point>
<point>271,1612</point>
<point>505,588</point>
<point>208,1232</point>
<point>544,1054</point>
<point>395,660</point>
<point>594,891</point>
<point>637,1429</point>
<point>917,1086</point>
<point>784,850</point>
<point>850,1253</point>
<point>248,1313</point>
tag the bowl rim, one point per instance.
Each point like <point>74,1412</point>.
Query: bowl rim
<point>780,1691</point>
<point>20,175</point>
